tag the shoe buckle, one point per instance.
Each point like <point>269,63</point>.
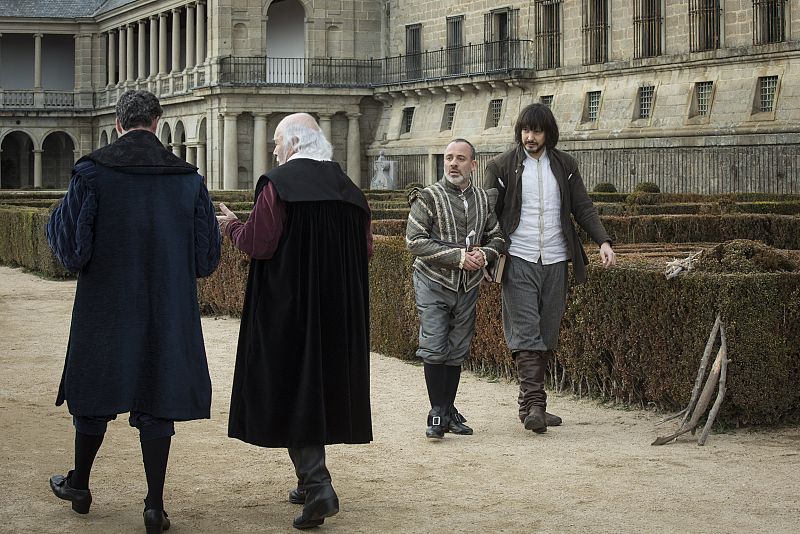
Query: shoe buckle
<point>436,420</point>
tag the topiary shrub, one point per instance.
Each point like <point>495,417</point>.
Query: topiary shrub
<point>647,187</point>
<point>605,187</point>
<point>743,256</point>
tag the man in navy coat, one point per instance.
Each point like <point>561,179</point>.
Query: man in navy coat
<point>138,227</point>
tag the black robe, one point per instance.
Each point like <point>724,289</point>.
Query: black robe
<point>302,364</point>
<point>138,226</point>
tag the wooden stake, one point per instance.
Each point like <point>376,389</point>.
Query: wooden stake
<point>701,371</point>
<point>721,393</point>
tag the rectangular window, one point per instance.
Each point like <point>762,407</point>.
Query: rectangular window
<point>704,22</point>
<point>548,34</point>
<point>546,100</point>
<point>595,31</point>
<point>647,21</point>
<point>767,86</point>
<point>769,19</point>
<point>455,44</point>
<point>414,51</point>
<point>592,106</point>
<point>408,119</point>
<point>702,92</point>
<point>499,32</point>
<point>448,116</point>
<point>494,113</point>
<point>645,101</point>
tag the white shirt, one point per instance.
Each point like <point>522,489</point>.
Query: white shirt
<point>539,234</point>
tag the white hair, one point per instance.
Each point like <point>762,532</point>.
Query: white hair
<point>305,140</point>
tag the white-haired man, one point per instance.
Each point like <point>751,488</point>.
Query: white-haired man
<point>302,365</point>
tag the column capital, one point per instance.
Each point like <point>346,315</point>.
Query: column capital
<point>230,114</point>
<point>111,31</point>
<point>37,150</point>
<point>261,114</point>
<point>38,35</point>
<point>176,10</point>
<point>353,115</point>
<point>325,115</point>
<point>163,15</point>
<point>153,17</point>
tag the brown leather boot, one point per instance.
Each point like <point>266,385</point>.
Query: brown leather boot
<point>531,367</point>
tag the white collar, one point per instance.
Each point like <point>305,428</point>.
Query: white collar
<point>305,156</point>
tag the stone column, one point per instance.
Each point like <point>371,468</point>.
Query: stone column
<point>162,43</point>
<point>200,40</point>
<point>131,70</point>
<point>190,47</point>
<point>153,46</point>
<point>325,124</point>
<point>176,148</point>
<point>354,148</point>
<point>230,154</point>
<point>142,70</point>
<point>176,40</point>
<point>260,150</point>
<point>37,66</point>
<point>123,55</point>
<point>191,154</point>
<point>37,167</point>
<point>201,160</point>
<point>112,58</point>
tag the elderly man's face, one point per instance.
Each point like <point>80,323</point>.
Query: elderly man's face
<point>458,162</point>
<point>280,151</point>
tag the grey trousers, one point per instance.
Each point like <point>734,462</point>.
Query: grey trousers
<point>446,321</point>
<point>534,296</point>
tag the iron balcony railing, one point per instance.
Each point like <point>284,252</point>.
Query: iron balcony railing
<point>455,62</point>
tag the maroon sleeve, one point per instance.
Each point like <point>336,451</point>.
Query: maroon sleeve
<point>260,235</point>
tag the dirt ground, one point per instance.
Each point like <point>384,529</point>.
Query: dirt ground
<point>596,473</point>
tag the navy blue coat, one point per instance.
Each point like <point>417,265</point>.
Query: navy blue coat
<point>138,227</point>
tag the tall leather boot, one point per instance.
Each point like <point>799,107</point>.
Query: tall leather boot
<point>438,421</point>
<point>320,499</point>
<point>531,366</point>
<point>298,494</point>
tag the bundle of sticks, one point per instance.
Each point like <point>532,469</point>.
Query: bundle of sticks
<point>701,399</point>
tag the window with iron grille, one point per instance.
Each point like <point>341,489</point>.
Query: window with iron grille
<point>414,51</point>
<point>645,101</point>
<point>702,95</point>
<point>499,34</point>
<point>767,87</point>
<point>769,19</point>
<point>448,117</point>
<point>647,22</point>
<point>408,118</point>
<point>546,100</point>
<point>455,44</point>
<point>704,21</point>
<point>548,34</point>
<point>595,31</point>
<point>494,113</point>
<point>591,107</point>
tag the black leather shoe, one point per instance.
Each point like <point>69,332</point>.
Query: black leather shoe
<point>536,420</point>
<point>297,496</point>
<point>456,424</point>
<point>552,420</point>
<point>81,499</point>
<point>321,502</point>
<point>155,521</point>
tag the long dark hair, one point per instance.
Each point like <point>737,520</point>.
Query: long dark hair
<point>537,117</point>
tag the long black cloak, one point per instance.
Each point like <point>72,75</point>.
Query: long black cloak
<point>302,364</point>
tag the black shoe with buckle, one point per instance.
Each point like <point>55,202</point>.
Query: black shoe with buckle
<point>456,424</point>
<point>155,521</point>
<point>81,499</point>
<point>437,423</point>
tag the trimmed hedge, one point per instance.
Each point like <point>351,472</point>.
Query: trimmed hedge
<point>630,335</point>
<point>23,241</point>
<point>394,227</point>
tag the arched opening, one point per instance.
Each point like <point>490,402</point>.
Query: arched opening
<point>114,135</point>
<point>57,159</point>
<point>201,151</point>
<point>103,139</point>
<point>179,141</point>
<point>16,161</point>
<point>286,41</point>
<point>166,135</point>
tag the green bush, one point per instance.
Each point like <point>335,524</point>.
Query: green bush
<point>605,187</point>
<point>394,213</point>
<point>241,195</point>
<point>647,187</point>
<point>395,227</point>
<point>23,242</point>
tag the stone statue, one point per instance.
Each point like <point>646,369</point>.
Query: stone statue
<point>383,177</point>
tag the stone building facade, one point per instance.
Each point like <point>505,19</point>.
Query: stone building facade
<point>696,95</point>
